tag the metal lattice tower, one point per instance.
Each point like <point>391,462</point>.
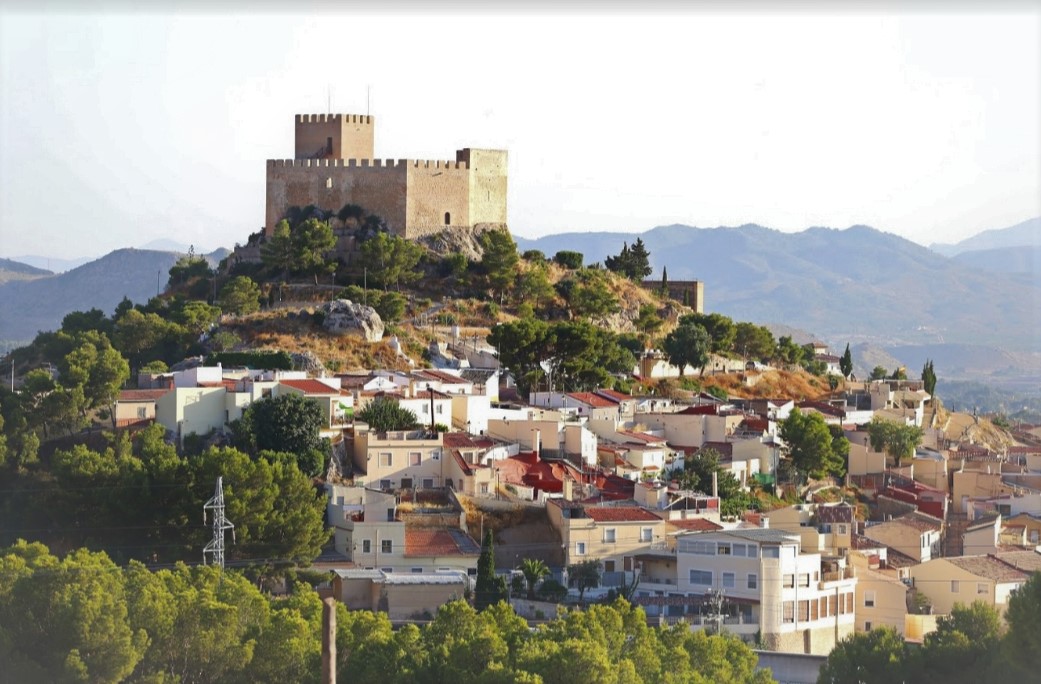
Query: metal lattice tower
<point>220,524</point>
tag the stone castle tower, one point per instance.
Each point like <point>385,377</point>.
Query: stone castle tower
<point>334,166</point>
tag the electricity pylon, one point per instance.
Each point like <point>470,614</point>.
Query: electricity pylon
<point>220,524</point>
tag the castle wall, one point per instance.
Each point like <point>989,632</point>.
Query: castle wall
<point>351,136</point>
<point>436,188</point>
<point>377,185</point>
<point>487,184</point>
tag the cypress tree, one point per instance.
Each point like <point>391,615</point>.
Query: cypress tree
<point>489,589</point>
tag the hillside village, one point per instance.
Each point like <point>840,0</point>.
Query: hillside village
<point>722,480</point>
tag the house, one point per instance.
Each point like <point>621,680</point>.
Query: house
<point>793,601</point>
<point>400,459</point>
<point>187,411</point>
<point>881,596</point>
<point>826,528</point>
<point>674,503</point>
<point>607,533</point>
<point>403,596</point>
<point>1021,530</point>
<point>965,579</point>
<point>982,535</point>
<point>915,535</point>
<point>324,391</point>
<point>137,406</point>
<point>547,435</point>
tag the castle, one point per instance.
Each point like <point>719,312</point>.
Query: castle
<point>333,166</point>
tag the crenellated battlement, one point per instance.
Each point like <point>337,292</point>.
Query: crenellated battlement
<point>335,118</point>
<point>369,163</point>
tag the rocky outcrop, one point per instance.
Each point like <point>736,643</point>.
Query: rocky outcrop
<point>307,361</point>
<point>344,317</point>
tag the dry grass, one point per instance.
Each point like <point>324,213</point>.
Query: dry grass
<point>797,385</point>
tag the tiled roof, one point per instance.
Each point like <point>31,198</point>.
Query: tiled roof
<point>309,386</point>
<point>590,399</point>
<point>440,376</point>
<point>839,513</point>
<point>1027,561</point>
<point>141,395</point>
<point>614,395</point>
<point>439,542</point>
<point>695,525</point>
<point>642,437</point>
<point>988,567</point>
<point>620,514</point>
<point>462,440</point>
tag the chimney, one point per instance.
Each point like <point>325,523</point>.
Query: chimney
<point>536,442</point>
<point>715,484</point>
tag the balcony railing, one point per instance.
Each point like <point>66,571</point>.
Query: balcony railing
<point>838,575</point>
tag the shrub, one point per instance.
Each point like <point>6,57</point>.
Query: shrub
<point>569,259</point>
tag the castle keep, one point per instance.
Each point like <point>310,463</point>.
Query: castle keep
<point>333,166</point>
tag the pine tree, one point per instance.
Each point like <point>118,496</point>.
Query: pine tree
<point>639,266</point>
<point>489,589</point>
<point>929,377</point>
<point>664,281</point>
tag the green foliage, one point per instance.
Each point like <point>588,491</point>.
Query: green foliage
<point>896,440</point>
<point>878,373</point>
<point>697,471</point>
<point>754,341</point>
<point>534,256</point>
<point>278,252</point>
<point>288,423</point>
<point>274,360</point>
<point>489,589</point>
<point>312,241</point>
<point>240,296</point>
<point>721,330</point>
<point>534,570</point>
<point>188,268</point>
<point>790,353</point>
<point>391,260</point>
<point>579,355</point>
<point>533,285</point>
<point>632,262</point>
<point>929,377</point>
<point>1023,642</point>
<point>874,657</point>
<point>688,345</point>
<point>810,445</point>
<point>587,294</point>
<point>585,575</point>
<point>454,265</point>
<point>568,259</point>
<point>500,259</point>
<point>384,414</point>
<point>846,362</point>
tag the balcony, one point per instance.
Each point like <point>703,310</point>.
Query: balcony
<point>837,575</point>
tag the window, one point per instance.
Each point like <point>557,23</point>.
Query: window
<point>771,552</point>
<point>804,579</point>
<point>869,599</point>
<point>701,577</point>
<point>753,551</point>
<point>849,602</point>
<point>703,548</point>
<point>842,529</point>
<point>387,569</point>
<point>609,535</point>
<point>329,182</point>
<point>428,483</point>
<point>729,580</point>
<point>833,605</point>
<point>366,546</point>
<point>609,566</point>
<point>415,458</point>
<point>646,534</point>
<point>824,606</point>
<point>804,611</point>
<point>723,549</point>
<point>955,586</point>
<point>788,581</point>
<point>386,460</point>
<point>813,609</point>
<point>867,626</point>
<point>580,548</point>
<point>417,570</point>
<point>1034,537</point>
<point>981,587</point>
<point>426,409</point>
<point>406,483</point>
<point>738,550</point>
<point>788,611</point>
<point>753,581</point>
<point>448,218</point>
<point>142,412</point>
<point>484,488</point>
<point>385,484</point>
<point>387,546</point>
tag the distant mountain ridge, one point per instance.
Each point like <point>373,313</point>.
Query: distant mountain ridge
<point>1025,234</point>
<point>856,285</point>
<point>28,307</point>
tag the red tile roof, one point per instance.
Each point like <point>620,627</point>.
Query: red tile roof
<point>614,395</point>
<point>141,395</point>
<point>439,542</point>
<point>590,399</point>
<point>442,376</point>
<point>702,410</point>
<point>620,514</point>
<point>309,386</point>
<point>642,437</point>
<point>695,525</point>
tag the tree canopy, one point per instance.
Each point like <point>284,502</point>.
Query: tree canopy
<point>632,262</point>
<point>688,345</point>
<point>896,440</point>
<point>814,450</point>
<point>384,414</point>
<point>288,423</point>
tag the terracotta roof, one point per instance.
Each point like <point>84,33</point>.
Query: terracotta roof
<point>620,514</point>
<point>642,437</point>
<point>590,399</point>
<point>441,376</point>
<point>439,542</point>
<point>695,525</point>
<point>614,395</point>
<point>462,440</point>
<point>988,567</point>
<point>1027,561</point>
<point>703,410</point>
<point>309,386</point>
<point>839,513</point>
<point>141,395</point>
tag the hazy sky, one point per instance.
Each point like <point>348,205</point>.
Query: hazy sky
<point>119,128</point>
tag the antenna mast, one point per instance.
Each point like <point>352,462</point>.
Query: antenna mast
<point>220,524</point>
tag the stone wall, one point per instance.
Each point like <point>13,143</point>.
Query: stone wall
<point>334,136</point>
